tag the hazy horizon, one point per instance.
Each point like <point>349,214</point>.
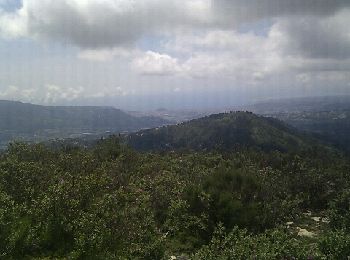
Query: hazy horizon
<point>205,107</point>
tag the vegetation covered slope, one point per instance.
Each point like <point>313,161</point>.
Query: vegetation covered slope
<point>332,126</point>
<point>109,202</point>
<point>28,118</point>
<point>224,131</point>
<point>327,117</point>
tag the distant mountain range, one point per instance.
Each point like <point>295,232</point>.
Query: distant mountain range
<point>225,131</point>
<point>35,122</point>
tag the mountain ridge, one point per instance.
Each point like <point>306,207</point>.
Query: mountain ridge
<point>224,131</point>
<point>36,122</point>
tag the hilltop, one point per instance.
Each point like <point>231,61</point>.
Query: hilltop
<point>225,131</point>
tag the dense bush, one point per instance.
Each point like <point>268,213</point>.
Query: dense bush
<point>335,245</point>
<point>110,202</point>
<point>239,244</point>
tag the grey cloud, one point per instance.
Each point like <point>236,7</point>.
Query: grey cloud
<point>243,10</point>
<point>100,26</point>
<point>317,38</point>
<point>96,24</point>
<point>104,23</point>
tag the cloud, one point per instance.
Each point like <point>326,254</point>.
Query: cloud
<point>106,54</point>
<point>227,54</point>
<point>247,11</point>
<point>114,92</point>
<point>48,94</point>
<point>205,43</point>
<point>95,24</point>
<point>153,63</point>
<point>15,93</point>
<point>53,94</point>
<point>109,29</point>
<point>305,44</point>
<point>12,25</point>
<point>101,23</point>
<point>317,38</point>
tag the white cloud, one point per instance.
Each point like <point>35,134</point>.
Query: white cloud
<point>228,54</point>
<point>52,93</point>
<point>106,54</point>
<point>112,92</point>
<point>13,24</point>
<point>247,57</point>
<point>13,92</point>
<point>153,63</point>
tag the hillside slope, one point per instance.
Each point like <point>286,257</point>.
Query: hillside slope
<point>332,126</point>
<point>28,117</point>
<point>224,131</point>
<point>35,122</point>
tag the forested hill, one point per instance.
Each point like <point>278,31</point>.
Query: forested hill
<point>29,118</point>
<point>225,131</point>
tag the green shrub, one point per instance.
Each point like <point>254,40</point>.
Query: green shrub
<point>335,245</point>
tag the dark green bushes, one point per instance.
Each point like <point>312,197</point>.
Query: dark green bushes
<point>109,202</point>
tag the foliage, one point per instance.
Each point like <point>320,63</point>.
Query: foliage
<point>340,211</point>
<point>239,244</point>
<point>224,132</point>
<point>335,245</point>
<point>111,202</point>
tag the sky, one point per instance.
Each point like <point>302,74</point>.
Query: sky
<point>143,55</point>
